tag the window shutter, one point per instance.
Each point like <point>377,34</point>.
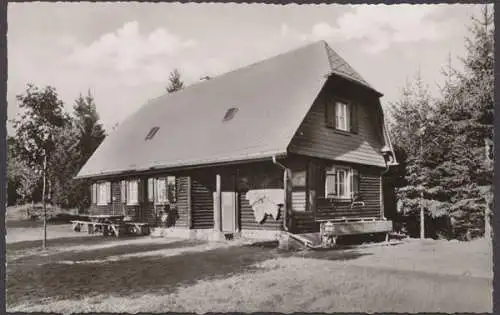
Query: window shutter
<point>108,192</point>
<point>98,193</point>
<point>150,189</point>
<point>156,190</point>
<point>330,182</point>
<point>140,190</point>
<point>355,182</point>
<point>124,191</point>
<point>354,117</point>
<point>330,114</point>
<point>93,191</point>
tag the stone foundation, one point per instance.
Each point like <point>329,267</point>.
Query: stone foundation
<point>211,235</point>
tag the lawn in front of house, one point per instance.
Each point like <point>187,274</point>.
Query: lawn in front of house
<point>159,275</point>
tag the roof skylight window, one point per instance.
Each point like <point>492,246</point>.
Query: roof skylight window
<point>152,133</point>
<point>230,114</point>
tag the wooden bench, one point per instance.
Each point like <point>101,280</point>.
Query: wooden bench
<point>117,229</point>
<point>344,219</point>
<point>331,229</point>
<point>137,228</point>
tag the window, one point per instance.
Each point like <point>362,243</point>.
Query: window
<point>133,192</point>
<point>171,189</point>
<point>341,116</point>
<point>341,182</point>
<point>103,193</point>
<point>162,190</point>
<point>152,133</point>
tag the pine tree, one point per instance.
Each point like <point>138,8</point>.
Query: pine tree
<point>466,123</point>
<point>176,83</point>
<point>90,134</point>
<point>475,92</point>
<point>451,171</point>
<point>413,126</point>
<point>77,141</point>
<point>91,131</point>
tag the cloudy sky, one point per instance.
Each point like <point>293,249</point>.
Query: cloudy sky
<point>123,52</point>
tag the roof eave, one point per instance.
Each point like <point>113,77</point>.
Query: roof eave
<point>179,167</point>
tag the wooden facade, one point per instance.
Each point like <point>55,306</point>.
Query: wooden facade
<point>323,172</point>
<point>361,146</point>
<point>195,204</point>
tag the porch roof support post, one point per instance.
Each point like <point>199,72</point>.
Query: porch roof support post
<point>189,204</point>
<point>218,205</point>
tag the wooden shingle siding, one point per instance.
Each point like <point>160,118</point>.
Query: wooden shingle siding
<point>315,139</point>
<point>202,202</point>
<point>303,222</point>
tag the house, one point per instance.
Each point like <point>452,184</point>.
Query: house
<point>285,144</point>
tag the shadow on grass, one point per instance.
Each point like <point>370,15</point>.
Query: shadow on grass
<point>101,253</point>
<point>134,276</point>
<point>31,223</point>
<point>64,241</point>
<point>339,255</point>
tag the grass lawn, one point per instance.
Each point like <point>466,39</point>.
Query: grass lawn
<point>96,274</point>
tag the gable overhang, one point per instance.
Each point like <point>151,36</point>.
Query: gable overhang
<point>356,82</point>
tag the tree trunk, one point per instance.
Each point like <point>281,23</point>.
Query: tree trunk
<point>487,221</point>
<point>422,217</point>
<point>44,242</point>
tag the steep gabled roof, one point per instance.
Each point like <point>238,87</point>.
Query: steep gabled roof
<point>268,100</point>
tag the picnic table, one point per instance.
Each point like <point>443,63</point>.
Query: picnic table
<point>110,224</point>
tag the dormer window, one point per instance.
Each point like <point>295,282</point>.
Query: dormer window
<point>341,115</point>
<point>230,114</point>
<point>152,133</point>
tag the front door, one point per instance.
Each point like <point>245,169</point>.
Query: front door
<point>229,208</point>
<point>229,204</point>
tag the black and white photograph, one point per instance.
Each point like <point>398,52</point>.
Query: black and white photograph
<point>225,157</point>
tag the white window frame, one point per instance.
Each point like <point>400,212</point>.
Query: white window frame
<point>348,184</point>
<point>103,193</point>
<point>342,116</point>
<point>171,180</point>
<point>158,189</point>
<point>133,192</point>
<point>161,194</point>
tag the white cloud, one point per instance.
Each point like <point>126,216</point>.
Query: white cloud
<point>378,26</point>
<point>127,49</point>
